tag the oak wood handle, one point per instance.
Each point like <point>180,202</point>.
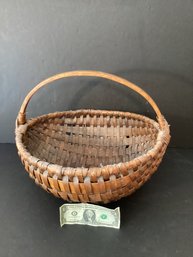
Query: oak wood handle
<point>21,119</point>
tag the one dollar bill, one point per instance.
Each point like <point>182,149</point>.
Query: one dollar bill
<point>89,214</point>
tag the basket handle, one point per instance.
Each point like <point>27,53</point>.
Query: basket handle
<point>21,119</point>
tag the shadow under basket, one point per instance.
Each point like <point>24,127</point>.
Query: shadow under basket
<point>93,156</point>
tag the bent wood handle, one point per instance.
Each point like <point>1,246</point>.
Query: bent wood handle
<point>21,119</point>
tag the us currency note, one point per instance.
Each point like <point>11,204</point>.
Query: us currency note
<point>89,214</point>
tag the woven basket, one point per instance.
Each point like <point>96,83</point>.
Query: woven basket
<point>91,155</point>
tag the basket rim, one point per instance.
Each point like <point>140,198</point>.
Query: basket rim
<point>163,137</point>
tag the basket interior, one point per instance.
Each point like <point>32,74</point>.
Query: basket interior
<point>76,139</point>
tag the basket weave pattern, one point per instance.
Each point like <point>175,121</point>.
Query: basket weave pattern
<point>91,155</point>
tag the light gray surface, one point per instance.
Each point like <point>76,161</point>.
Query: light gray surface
<point>148,42</point>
